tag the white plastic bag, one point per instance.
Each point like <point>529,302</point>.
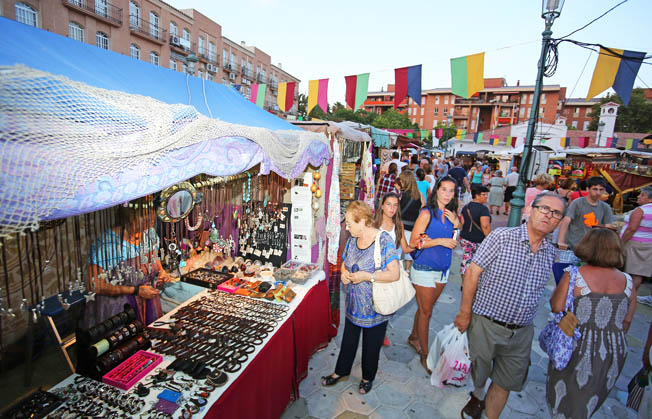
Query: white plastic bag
<point>448,358</point>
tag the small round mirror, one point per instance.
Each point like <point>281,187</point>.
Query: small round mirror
<point>177,201</point>
<point>179,204</point>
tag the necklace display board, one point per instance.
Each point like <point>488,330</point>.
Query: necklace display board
<point>267,240</point>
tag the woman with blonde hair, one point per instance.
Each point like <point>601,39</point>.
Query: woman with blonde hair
<point>541,183</point>
<point>411,202</point>
<point>604,303</point>
<point>358,274</point>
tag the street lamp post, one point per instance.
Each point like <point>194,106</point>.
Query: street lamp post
<point>550,10</point>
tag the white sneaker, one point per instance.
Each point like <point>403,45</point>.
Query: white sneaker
<point>647,300</point>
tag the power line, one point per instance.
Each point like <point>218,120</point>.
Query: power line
<point>594,20</point>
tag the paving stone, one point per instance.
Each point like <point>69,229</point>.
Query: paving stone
<point>325,404</point>
<point>393,394</point>
<point>386,412</point>
<point>400,353</point>
<point>360,403</point>
<point>351,415</point>
<point>421,389</point>
<point>537,373</point>
<point>397,371</point>
<point>452,403</point>
<point>420,410</point>
<point>310,384</point>
<point>523,403</point>
<point>297,410</point>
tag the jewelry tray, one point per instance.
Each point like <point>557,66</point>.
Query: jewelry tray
<point>197,276</point>
<point>141,362</point>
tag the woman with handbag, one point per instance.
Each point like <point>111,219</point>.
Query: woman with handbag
<point>604,303</point>
<point>476,225</point>
<point>359,274</point>
<point>432,237</point>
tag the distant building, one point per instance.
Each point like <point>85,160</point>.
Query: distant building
<point>154,31</point>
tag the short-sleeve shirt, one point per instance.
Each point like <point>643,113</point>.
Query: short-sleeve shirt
<point>359,297</point>
<point>583,217</point>
<point>409,210</point>
<point>458,174</point>
<point>423,186</point>
<point>513,277</point>
<point>469,231</point>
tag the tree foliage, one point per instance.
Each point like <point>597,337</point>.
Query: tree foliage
<point>635,117</point>
<point>395,120</point>
<point>448,133</point>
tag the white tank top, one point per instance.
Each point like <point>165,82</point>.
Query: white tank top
<point>644,232</point>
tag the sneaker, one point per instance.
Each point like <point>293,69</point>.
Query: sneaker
<point>473,408</point>
<point>385,341</point>
<point>647,300</point>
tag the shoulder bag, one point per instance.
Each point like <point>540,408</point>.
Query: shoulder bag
<point>473,223</point>
<point>388,297</point>
<point>557,344</point>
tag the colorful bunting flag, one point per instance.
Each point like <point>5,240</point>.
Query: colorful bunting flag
<point>494,139</point>
<point>612,142</point>
<point>467,75</point>
<point>477,137</point>
<point>563,142</point>
<point>512,141</point>
<point>407,83</point>
<point>613,71</point>
<point>583,142</point>
<point>318,94</point>
<point>424,133</point>
<point>357,88</point>
<point>258,94</point>
<point>439,132</point>
<point>631,144</point>
<point>285,97</point>
<point>543,140</point>
<point>461,134</point>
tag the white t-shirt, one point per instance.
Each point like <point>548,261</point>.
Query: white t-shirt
<point>399,166</point>
<point>512,179</point>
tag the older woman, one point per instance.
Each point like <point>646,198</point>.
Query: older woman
<point>637,240</point>
<point>541,183</point>
<point>359,274</point>
<point>604,306</point>
<point>496,191</point>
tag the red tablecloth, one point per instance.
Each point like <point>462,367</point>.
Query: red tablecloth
<point>271,380</point>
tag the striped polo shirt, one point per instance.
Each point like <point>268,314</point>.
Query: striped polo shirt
<point>644,232</point>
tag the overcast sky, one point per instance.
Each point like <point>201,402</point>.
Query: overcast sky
<point>333,39</point>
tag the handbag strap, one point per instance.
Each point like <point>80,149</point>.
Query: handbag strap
<point>570,298</point>
<point>468,212</point>
<point>409,203</point>
<point>377,257</point>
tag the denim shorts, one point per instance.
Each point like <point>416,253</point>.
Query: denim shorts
<point>428,278</point>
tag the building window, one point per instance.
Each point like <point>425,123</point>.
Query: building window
<point>134,15</point>
<point>445,99</point>
<point>445,111</point>
<point>209,77</point>
<point>523,99</point>
<point>521,113</point>
<point>173,65</point>
<point>134,51</point>
<point>26,14</point>
<point>530,98</point>
<point>423,109</point>
<point>174,31</point>
<point>200,45</point>
<point>75,31</point>
<point>586,125</point>
<point>437,100</point>
<point>574,124</point>
<point>102,40</point>
<point>437,109</point>
<point>577,112</point>
<point>102,8</point>
<point>225,57</point>
<point>420,122</point>
<point>153,25</point>
<point>224,80</point>
<point>211,51</point>
<point>543,98</point>
<point>186,34</point>
<point>472,124</point>
<point>153,58</point>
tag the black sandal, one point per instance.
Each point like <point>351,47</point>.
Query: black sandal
<point>329,380</point>
<point>365,386</point>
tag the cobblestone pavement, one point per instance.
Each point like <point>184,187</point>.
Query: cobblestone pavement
<point>402,388</point>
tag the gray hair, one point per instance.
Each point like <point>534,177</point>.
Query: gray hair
<point>647,190</point>
<point>542,195</point>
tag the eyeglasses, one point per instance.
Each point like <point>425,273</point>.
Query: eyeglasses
<point>547,210</point>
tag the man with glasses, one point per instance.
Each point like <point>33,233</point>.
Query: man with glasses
<point>502,290</point>
<point>585,213</point>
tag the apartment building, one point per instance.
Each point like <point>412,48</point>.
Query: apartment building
<point>379,102</point>
<point>156,32</point>
<point>577,112</point>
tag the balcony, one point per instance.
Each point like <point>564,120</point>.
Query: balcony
<point>230,67</point>
<point>247,73</point>
<point>273,84</point>
<point>146,30</point>
<point>101,9</point>
<point>207,57</point>
<point>180,44</point>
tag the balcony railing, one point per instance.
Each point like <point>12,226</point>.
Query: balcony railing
<point>142,27</point>
<point>230,67</point>
<point>260,78</point>
<point>100,8</point>
<point>208,57</point>
<point>273,84</point>
<point>248,73</point>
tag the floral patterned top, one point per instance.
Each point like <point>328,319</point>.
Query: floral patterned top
<point>359,297</point>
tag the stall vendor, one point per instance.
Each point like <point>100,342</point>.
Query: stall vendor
<point>125,268</point>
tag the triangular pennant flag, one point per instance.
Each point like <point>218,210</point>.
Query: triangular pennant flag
<point>614,142</point>
<point>494,139</point>
<point>285,97</point>
<point>407,82</point>
<point>629,143</point>
<point>563,142</point>
<point>512,141</point>
<point>467,75</point>
<point>615,68</point>
<point>477,137</point>
<point>439,132</point>
<point>318,94</point>
<point>357,88</point>
<point>424,133</point>
<point>461,134</point>
<point>583,142</point>
<point>258,92</point>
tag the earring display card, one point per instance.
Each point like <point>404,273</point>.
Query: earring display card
<point>269,241</point>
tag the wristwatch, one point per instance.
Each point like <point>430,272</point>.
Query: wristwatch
<point>372,280</point>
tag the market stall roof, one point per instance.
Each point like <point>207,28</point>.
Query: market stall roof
<point>381,137</point>
<point>86,128</point>
<point>334,128</point>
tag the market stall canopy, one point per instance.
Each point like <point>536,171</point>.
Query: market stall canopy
<point>381,137</point>
<point>334,128</point>
<point>85,128</point>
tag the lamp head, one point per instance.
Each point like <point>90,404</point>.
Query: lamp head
<point>191,59</point>
<point>551,9</point>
